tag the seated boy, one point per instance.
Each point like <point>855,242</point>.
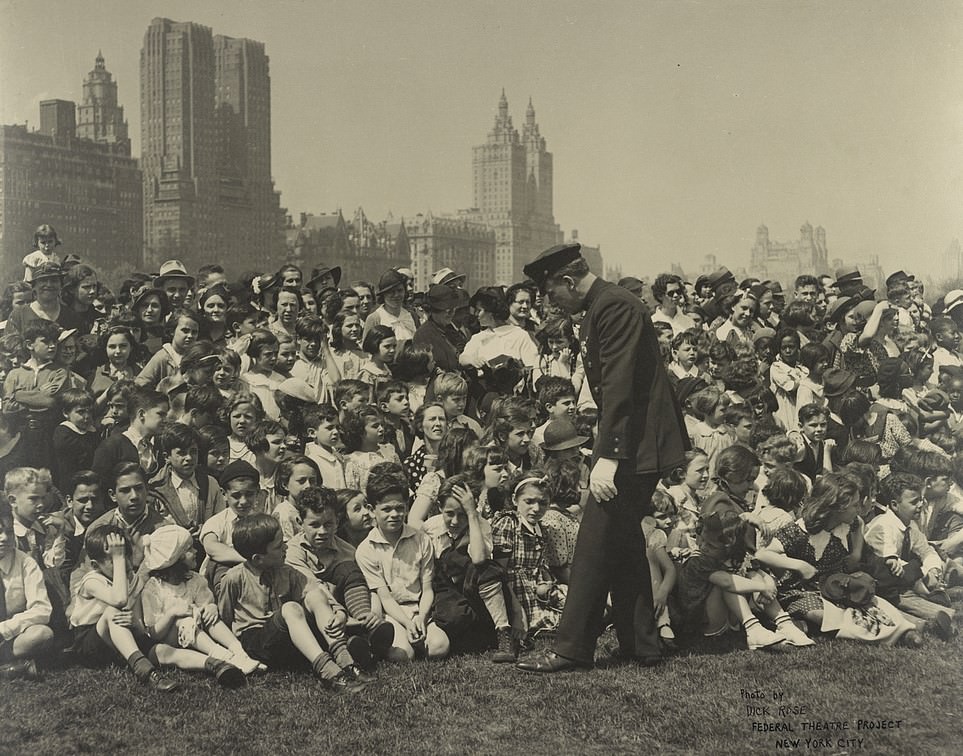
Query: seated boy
<point>320,554</point>
<point>240,488</point>
<point>85,503</point>
<point>270,607</point>
<point>24,606</point>
<point>133,514</point>
<point>556,401</point>
<point>915,570</point>
<point>397,562</point>
<point>105,611</point>
<point>146,409</point>
<point>184,495</point>
<point>323,421</point>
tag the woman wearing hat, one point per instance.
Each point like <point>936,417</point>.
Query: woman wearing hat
<point>47,285</point>
<point>842,319</point>
<point>392,288</point>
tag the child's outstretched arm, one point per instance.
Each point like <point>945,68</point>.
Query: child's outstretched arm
<point>221,552</point>
<point>774,555</point>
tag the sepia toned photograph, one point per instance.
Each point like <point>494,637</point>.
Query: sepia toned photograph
<point>481,377</point>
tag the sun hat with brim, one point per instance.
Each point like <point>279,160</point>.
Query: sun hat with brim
<point>172,269</point>
<point>951,301</point>
<point>298,389</point>
<point>391,279</point>
<point>48,270</point>
<point>560,435</point>
<point>323,272</point>
<point>447,277</point>
<point>763,333</point>
<point>837,381</point>
<point>66,334</point>
<point>442,297</point>
<point>865,308</point>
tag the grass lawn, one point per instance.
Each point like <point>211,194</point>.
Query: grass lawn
<point>694,703</point>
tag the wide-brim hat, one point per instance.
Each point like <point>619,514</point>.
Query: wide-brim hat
<point>144,293</point>
<point>321,272</point>
<point>837,381</point>
<point>900,276</point>
<point>951,301</point>
<point>391,279</point>
<point>172,269</point>
<point>551,261</point>
<point>839,308</point>
<point>848,276</point>
<point>447,277</point>
<point>48,270</point>
<point>560,434</point>
<point>442,297</point>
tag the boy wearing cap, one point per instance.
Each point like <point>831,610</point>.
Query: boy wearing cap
<point>240,487</point>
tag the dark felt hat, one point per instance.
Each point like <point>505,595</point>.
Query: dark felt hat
<point>48,270</point>
<point>837,381</point>
<point>239,469</point>
<point>839,307</point>
<point>900,276</point>
<point>391,279</point>
<point>320,272</point>
<point>560,434</point>
<point>551,261</point>
<point>633,284</point>
<point>442,297</point>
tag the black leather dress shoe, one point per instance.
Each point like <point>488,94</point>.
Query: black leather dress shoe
<point>546,664</point>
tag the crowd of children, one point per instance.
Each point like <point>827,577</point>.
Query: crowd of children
<point>231,477</point>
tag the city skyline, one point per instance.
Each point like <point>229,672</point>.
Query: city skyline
<point>677,128</point>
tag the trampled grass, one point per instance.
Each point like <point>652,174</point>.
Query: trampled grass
<point>694,703</point>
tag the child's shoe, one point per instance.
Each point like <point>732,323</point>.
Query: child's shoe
<point>758,637</point>
<point>667,639</point>
<point>380,640</point>
<point>226,674</point>
<point>941,626</point>
<point>246,664</point>
<point>360,675</point>
<point>507,651</point>
<point>360,651</point>
<point>343,682</point>
<point>158,683</point>
<point>25,669</point>
<point>794,635</point>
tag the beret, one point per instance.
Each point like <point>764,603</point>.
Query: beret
<point>239,469</point>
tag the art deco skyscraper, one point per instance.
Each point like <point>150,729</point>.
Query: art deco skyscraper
<point>513,192</point>
<point>99,117</point>
<point>206,148</point>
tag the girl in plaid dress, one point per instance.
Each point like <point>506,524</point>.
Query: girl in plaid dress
<point>519,544</point>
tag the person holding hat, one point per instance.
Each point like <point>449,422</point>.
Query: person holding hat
<point>641,437</point>
<point>175,282</point>
<point>392,290</point>
<point>47,283</point>
<point>437,332</point>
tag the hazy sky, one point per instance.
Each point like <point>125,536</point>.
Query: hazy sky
<point>677,127</point>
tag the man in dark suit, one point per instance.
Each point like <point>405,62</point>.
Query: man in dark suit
<point>641,437</point>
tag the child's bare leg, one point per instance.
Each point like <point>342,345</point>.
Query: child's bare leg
<point>401,650</point>
<point>32,642</point>
<point>221,633</point>
<point>117,636</point>
<point>717,613</point>
<point>182,658</point>
<point>436,641</point>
